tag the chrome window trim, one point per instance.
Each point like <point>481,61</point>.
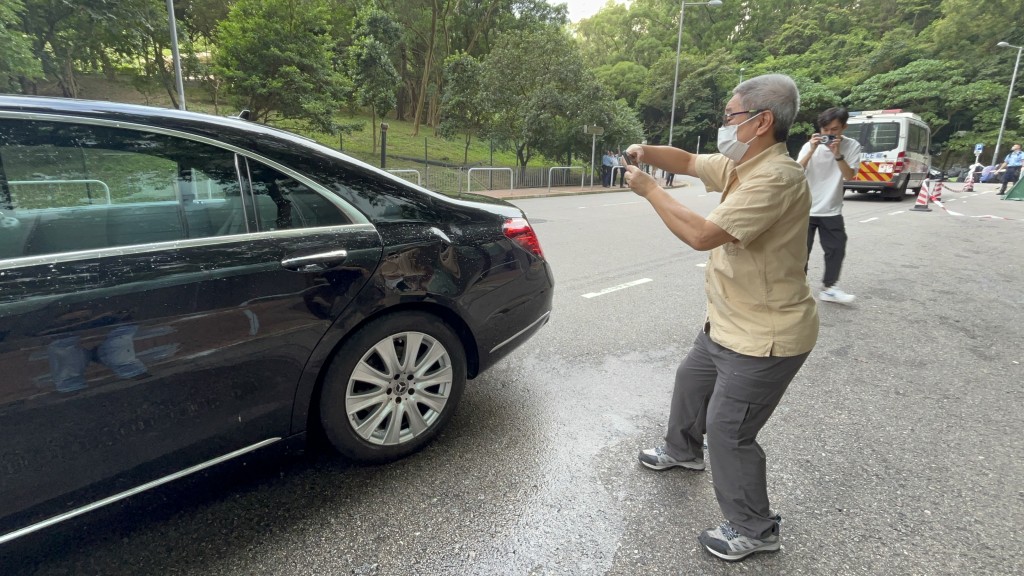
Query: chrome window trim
<point>4,538</point>
<point>131,250</point>
<point>356,216</point>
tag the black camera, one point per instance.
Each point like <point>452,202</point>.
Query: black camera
<point>827,139</point>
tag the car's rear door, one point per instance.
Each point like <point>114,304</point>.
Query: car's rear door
<point>156,306</point>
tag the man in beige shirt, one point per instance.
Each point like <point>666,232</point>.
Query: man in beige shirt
<point>761,320</point>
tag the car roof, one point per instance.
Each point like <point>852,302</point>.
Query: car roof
<point>242,133</point>
<point>230,129</point>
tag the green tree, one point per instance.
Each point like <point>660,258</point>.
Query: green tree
<point>66,33</point>
<point>933,89</point>
<point>277,58</point>
<point>624,80</point>
<point>369,64</point>
<point>462,108</point>
<point>17,62</point>
<point>538,90</point>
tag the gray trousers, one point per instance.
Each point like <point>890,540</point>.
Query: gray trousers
<point>730,397</point>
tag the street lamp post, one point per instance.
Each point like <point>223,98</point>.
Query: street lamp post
<point>741,75</point>
<point>679,45</point>
<point>1009,97</point>
<point>175,55</point>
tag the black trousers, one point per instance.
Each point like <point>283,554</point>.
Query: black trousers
<point>832,232</point>
<point>1011,175</point>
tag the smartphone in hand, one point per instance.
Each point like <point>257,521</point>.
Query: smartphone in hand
<point>628,159</point>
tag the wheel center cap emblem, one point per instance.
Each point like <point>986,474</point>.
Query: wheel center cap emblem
<point>402,387</point>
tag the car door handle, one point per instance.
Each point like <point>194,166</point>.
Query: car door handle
<point>314,262</point>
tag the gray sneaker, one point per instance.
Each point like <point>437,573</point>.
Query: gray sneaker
<point>730,545</point>
<point>657,459</point>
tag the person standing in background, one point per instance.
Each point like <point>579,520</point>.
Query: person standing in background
<point>607,161</point>
<point>1012,163</point>
<point>829,160</point>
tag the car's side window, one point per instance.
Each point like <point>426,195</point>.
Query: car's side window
<point>283,203</point>
<point>68,187</point>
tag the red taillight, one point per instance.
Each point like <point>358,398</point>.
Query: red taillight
<point>901,160</point>
<point>519,229</point>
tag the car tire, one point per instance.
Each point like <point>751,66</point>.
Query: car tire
<point>378,403</point>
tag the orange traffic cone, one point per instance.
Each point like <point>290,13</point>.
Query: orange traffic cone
<point>921,205</point>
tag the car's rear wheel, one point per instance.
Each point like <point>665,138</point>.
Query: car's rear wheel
<point>392,387</point>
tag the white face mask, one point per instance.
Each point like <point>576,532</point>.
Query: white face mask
<point>729,146</point>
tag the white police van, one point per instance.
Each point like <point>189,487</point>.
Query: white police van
<point>894,152</point>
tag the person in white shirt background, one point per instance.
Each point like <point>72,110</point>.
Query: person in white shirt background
<point>829,159</point>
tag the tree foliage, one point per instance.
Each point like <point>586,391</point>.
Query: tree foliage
<point>369,63</point>
<point>463,109</point>
<point>277,57</point>
<point>18,63</point>
<point>312,58</point>
<point>540,93</point>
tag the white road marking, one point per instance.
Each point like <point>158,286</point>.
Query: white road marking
<point>896,212</point>
<point>621,203</point>
<point>619,287</point>
<point>868,220</point>
<point>702,265</point>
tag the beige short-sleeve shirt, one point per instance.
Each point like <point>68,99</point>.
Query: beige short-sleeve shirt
<point>759,303</point>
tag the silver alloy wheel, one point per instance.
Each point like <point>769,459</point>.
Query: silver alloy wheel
<point>399,388</point>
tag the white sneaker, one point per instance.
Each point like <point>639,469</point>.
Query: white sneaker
<point>834,294</point>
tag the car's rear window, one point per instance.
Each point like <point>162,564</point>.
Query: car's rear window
<point>379,198</point>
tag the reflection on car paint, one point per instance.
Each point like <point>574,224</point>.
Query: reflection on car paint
<point>68,359</point>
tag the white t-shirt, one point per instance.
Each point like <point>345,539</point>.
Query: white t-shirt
<point>824,177</point>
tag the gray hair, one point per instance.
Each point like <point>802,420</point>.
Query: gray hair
<point>775,92</point>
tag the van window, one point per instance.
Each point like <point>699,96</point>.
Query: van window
<point>917,139</point>
<point>880,136</point>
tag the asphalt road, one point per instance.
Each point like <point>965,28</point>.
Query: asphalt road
<point>897,449</point>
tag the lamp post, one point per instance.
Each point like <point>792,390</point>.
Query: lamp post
<point>1009,97</point>
<point>171,21</point>
<point>679,45</point>
<point>741,75</point>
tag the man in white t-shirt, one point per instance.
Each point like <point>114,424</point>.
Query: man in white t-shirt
<point>829,159</point>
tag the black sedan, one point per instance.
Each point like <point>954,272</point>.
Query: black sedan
<point>179,289</point>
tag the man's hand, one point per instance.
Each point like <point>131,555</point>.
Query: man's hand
<point>640,182</point>
<point>834,146</point>
<point>637,152</point>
